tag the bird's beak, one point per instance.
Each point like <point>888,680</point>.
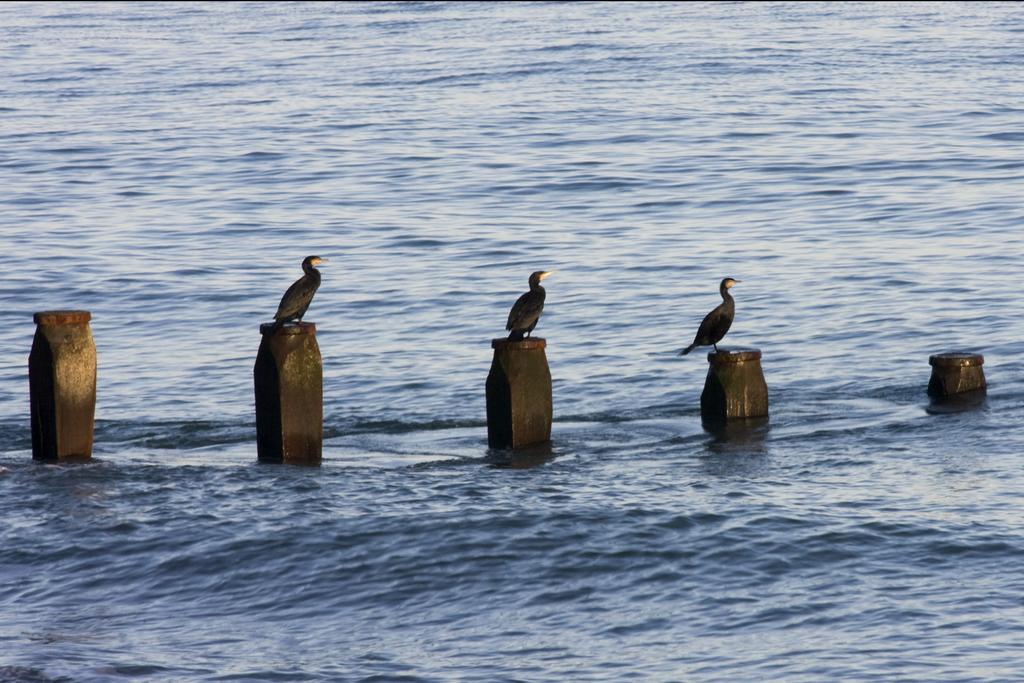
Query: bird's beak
<point>322,261</point>
<point>545,274</point>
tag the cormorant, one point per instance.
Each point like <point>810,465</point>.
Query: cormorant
<point>296,300</point>
<point>717,322</point>
<point>527,309</point>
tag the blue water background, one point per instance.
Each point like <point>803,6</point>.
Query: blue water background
<point>858,166</point>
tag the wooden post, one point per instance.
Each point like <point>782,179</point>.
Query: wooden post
<point>734,386</point>
<point>62,385</point>
<point>518,394</point>
<point>955,373</point>
<point>288,376</point>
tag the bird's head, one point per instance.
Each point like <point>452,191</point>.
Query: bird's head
<point>728,283</point>
<point>312,262</point>
<point>539,275</point>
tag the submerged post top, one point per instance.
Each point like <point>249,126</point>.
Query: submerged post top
<point>956,359</point>
<point>61,317</point>
<point>288,328</point>
<point>738,355</point>
<point>519,345</point>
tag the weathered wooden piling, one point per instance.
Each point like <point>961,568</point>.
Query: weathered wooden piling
<point>288,377</point>
<point>955,373</point>
<point>735,386</point>
<point>62,385</point>
<point>518,394</point>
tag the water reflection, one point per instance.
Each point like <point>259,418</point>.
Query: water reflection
<point>958,403</point>
<point>521,458</point>
<point>737,435</point>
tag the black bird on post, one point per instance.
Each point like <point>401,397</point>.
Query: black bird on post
<point>526,312</point>
<point>298,297</point>
<point>717,322</point>
<point>288,379</point>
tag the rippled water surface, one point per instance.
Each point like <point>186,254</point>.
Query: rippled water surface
<point>858,166</point>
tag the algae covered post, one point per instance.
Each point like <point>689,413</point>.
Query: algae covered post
<point>519,407</point>
<point>62,385</point>
<point>288,377</point>
<point>735,386</point>
<point>956,373</point>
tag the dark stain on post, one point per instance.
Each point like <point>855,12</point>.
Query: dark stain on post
<point>288,377</point>
<point>519,408</point>
<point>735,386</point>
<point>62,385</point>
<point>956,373</point>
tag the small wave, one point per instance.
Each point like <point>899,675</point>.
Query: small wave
<point>1008,136</point>
<point>204,85</point>
<point>53,79</point>
<point>399,427</point>
<point>418,242</point>
<point>176,435</point>
<point>74,150</point>
<point>845,135</point>
<point>21,674</point>
<point>825,91</point>
<point>262,156</point>
<point>569,47</point>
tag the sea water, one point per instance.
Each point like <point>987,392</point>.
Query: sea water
<point>860,167</point>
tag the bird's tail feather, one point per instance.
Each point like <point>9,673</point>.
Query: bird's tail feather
<point>687,349</point>
<point>515,335</point>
